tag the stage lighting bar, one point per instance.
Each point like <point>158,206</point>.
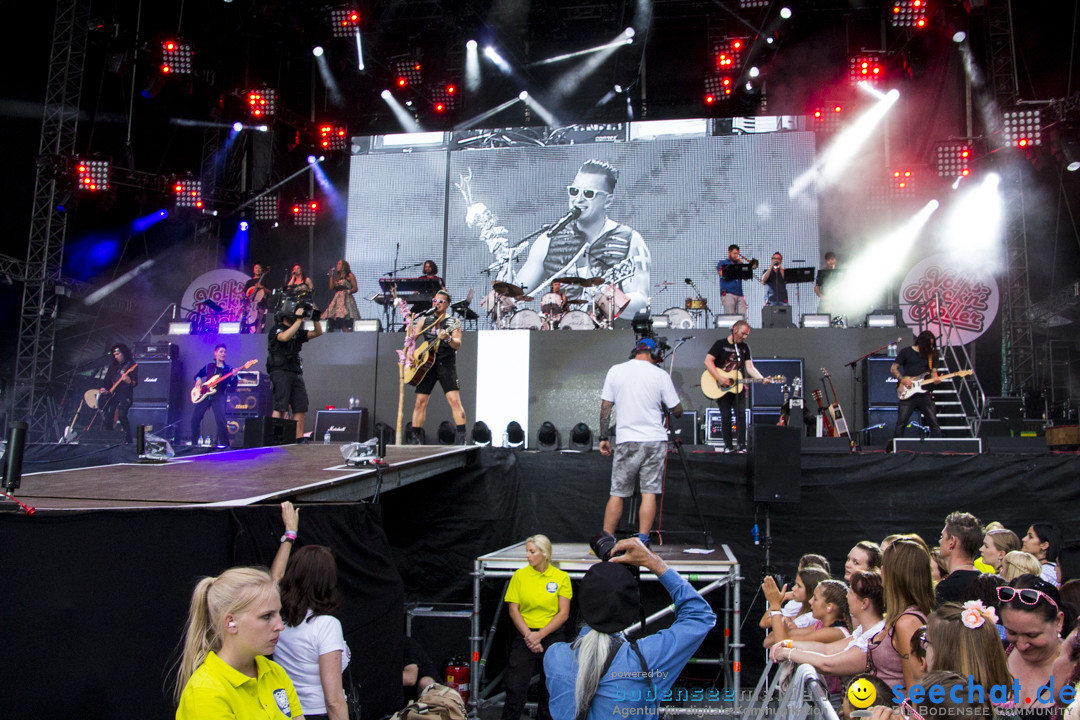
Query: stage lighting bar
<point>407,72</point>
<point>828,119</point>
<point>262,103</point>
<point>188,193</point>
<point>909,14</point>
<point>1022,128</point>
<point>344,21</point>
<point>176,58</point>
<point>333,137</point>
<point>868,67</point>
<point>93,175</point>
<point>749,4</point>
<point>901,184</point>
<point>303,214</point>
<point>954,160</point>
<point>266,207</point>
<point>444,98</point>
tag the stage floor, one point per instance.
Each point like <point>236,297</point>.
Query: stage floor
<point>308,473</point>
<point>576,558</point>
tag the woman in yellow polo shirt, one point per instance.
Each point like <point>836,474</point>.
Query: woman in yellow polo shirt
<point>233,623</point>
<point>538,597</point>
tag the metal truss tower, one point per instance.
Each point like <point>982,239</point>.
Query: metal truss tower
<point>45,254</point>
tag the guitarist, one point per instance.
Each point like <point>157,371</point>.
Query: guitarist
<point>732,354</point>
<point>914,362</point>
<point>430,327</point>
<point>121,380</point>
<point>216,401</point>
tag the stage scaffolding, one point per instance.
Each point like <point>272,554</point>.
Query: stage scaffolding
<point>719,569</point>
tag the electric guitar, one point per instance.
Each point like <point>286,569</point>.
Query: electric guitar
<point>827,429</point>
<point>839,423</point>
<point>208,388</point>
<point>917,383</point>
<point>103,397</point>
<point>714,390</point>
<point>424,354</point>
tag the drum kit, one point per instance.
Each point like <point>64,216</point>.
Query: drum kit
<point>556,312</point>
<point>686,317</point>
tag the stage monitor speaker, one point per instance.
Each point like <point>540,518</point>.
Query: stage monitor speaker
<point>879,425</point>
<point>880,384</point>
<point>772,395</point>
<point>714,430</point>
<point>776,316</point>
<point>263,431</point>
<point>249,401</point>
<point>686,428</point>
<point>344,425</point>
<point>764,416</point>
<point>776,473</point>
<point>159,382</point>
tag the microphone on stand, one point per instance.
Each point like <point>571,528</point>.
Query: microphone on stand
<point>565,220</point>
<point>688,281</point>
<point>426,312</point>
<point>684,339</point>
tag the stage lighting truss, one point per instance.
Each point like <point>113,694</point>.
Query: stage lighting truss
<point>333,137</point>
<point>828,119</point>
<point>344,21</point>
<point>909,14</point>
<point>92,175</point>
<point>718,87</point>
<point>407,72</point>
<point>262,103</point>
<point>868,67</point>
<point>1022,128</point>
<point>954,159</point>
<point>176,58</point>
<point>444,97</point>
<point>304,213</point>
<point>188,193</point>
<point>266,207</point>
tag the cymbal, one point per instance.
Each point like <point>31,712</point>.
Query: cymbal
<point>508,289</point>
<point>584,282</point>
<point>526,298</point>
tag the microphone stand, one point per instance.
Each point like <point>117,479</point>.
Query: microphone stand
<point>855,379</point>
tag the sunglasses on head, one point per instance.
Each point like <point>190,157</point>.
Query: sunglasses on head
<point>1028,596</point>
<point>587,192</point>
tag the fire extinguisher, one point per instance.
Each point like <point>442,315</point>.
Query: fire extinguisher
<point>457,676</point>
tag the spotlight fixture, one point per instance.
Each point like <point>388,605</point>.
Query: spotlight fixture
<point>1022,128</point>
<point>446,433</point>
<point>266,207</point>
<point>547,437</point>
<point>333,137</point>
<point>444,97</point>
<point>303,214</point>
<point>92,175</point>
<point>407,72</point>
<point>785,13</point>
<point>317,51</point>
<point>868,67</point>
<point>901,184</point>
<point>748,4</point>
<point>262,103</point>
<point>953,159</point>
<point>909,14</point>
<point>481,434</point>
<point>828,119</point>
<point>581,438</point>
<point>176,58</point>
<point>344,21</point>
<point>188,193</point>
<point>515,435</point>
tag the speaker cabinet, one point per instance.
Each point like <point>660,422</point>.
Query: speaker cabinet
<point>776,474</point>
<point>263,431</point>
<point>776,316</point>
<point>880,384</point>
<point>686,428</point>
<point>344,425</point>
<point>159,383</point>
<point>772,394</point>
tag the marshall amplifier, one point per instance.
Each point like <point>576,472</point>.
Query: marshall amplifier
<point>344,425</point>
<point>159,382</point>
<point>880,384</point>
<point>250,397</point>
<point>155,351</point>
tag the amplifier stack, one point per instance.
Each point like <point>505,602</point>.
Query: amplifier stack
<point>157,397</point>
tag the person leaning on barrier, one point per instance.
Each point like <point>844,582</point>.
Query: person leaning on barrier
<point>603,672</point>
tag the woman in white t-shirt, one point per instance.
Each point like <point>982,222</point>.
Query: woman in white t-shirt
<point>312,646</point>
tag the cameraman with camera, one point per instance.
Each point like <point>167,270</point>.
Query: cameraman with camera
<point>604,673</point>
<point>284,365</point>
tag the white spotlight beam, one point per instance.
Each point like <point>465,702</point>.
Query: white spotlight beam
<point>118,283</point>
<point>572,79</point>
<point>485,115</point>
<point>539,109</point>
<point>497,60</point>
<point>359,52</point>
<point>332,89</point>
<point>404,117</point>
<point>472,66</point>
<point>974,227</point>
<point>844,147</point>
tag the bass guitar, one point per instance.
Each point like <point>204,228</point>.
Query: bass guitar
<point>917,383</point>
<point>208,388</point>
<point>424,354</point>
<point>714,390</point>
<point>827,429</point>
<point>839,423</point>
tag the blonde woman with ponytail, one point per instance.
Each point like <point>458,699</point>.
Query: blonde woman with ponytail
<point>233,623</point>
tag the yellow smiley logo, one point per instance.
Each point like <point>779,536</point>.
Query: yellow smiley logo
<point>861,693</point>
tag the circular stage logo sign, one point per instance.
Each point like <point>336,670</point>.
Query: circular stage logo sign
<point>213,297</point>
<point>964,301</point>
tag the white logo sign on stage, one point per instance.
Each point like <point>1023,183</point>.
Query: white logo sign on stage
<point>936,290</point>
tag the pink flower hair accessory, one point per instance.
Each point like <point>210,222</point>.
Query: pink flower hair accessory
<point>975,614</point>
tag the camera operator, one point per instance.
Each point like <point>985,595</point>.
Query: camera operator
<point>619,675</point>
<point>640,389</point>
<point>284,365</point>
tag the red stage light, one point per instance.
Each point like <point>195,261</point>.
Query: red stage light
<point>344,21</point>
<point>176,57</point>
<point>451,89</point>
<point>262,103</point>
<point>401,82</point>
<point>304,214</point>
<point>439,107</point>
<point>188,193</point>
<point>333,137</point>
<point>709,99</point>
<point>93,175</point>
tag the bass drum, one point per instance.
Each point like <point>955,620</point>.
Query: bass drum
<point>679,319</point>
<point>525,320</point>
<point>576,320</point>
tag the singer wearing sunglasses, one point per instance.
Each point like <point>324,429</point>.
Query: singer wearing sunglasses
<point>586,243</point>
<point>1034,625</point>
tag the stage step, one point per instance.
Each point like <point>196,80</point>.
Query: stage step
<point>937,445</point>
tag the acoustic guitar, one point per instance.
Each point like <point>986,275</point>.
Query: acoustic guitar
<point>424,354</point>
<point>208,388</point>
<point>839,423</point>
<point>714,390</point>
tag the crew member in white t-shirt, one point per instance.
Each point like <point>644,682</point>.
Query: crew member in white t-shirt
<point>640,389</point>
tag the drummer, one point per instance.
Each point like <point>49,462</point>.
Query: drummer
<point>548,300</point>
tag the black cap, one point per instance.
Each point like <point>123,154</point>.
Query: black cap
<point>609,598</point>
